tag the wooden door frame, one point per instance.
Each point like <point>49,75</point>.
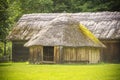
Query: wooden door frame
<point>48,61</point>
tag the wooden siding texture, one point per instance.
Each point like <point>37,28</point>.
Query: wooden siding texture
<point>112,52</point>
<point>36,54</point>
<point>66,55</point>
<point>91,55</point>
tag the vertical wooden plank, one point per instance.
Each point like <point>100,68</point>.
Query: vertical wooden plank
<point>61,54</point>
<point>87,54</point>
<point>56,54</point>
<point>97,58</point>
<point>74,55</point>
<point>36,53</point>
<point>76,50</point>
<point>90,56</point>
<point>82,54</point>
<point>41,53</point>
<point>65,53</point>
<point>31,54</point>
<point>78,54</point>
<point>65,57</point>
<point>98,55</point>
<point>68,54</point>
<point>93,54</point>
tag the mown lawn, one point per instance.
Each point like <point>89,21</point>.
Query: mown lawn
<point>23,71</point>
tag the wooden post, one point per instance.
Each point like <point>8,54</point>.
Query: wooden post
<point>41,53</point>
<point>61,54</point>
<point>76,52</point>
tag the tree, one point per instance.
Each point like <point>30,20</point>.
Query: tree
<point>3,19</point>
<point>14,11</point>
<point>36,6</point>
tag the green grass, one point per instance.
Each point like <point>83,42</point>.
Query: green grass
<point>23,71</point>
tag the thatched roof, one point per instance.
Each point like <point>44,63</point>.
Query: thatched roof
<point>65,31</point>
<point>104,25</point>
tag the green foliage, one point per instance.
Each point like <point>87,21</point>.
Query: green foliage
<point>86,5</point>
<point>36,6</point>
<point>3,19</point>
<point>14,11</point>
<point>1,49</point>
<point>8,49</point>
<point>23,71</point>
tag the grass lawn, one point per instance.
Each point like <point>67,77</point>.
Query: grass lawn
<point>23,71</point>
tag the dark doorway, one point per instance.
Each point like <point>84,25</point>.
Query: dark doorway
<point>19,52</point>
<point>48,53</point>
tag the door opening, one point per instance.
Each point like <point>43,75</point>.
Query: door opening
<point>48,53</point>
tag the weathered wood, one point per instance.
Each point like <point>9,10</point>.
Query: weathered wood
<point>41,53</point>
<point>66,54</point>
<point>112,51</point>
<point>61,54</point>
<point>94,55</point>
<point>36,54</point>
<point>31,55</point>
<point>56,54</point>
<point>81,55</point>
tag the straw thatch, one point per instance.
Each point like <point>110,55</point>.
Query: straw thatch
<point>64,31</point>
<point>105,25</point>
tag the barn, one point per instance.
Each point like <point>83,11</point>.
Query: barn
<point>104,25</point>
<point>64,40</point>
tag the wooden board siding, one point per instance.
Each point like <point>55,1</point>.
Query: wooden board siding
<point>56,54</point>
<point>36,54</point>
<point>112,52</point>
<point>75,54</point>
<point>91,55</point>
<point>94,55</point>
<point>19,52</point>
<point>66,54</point>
